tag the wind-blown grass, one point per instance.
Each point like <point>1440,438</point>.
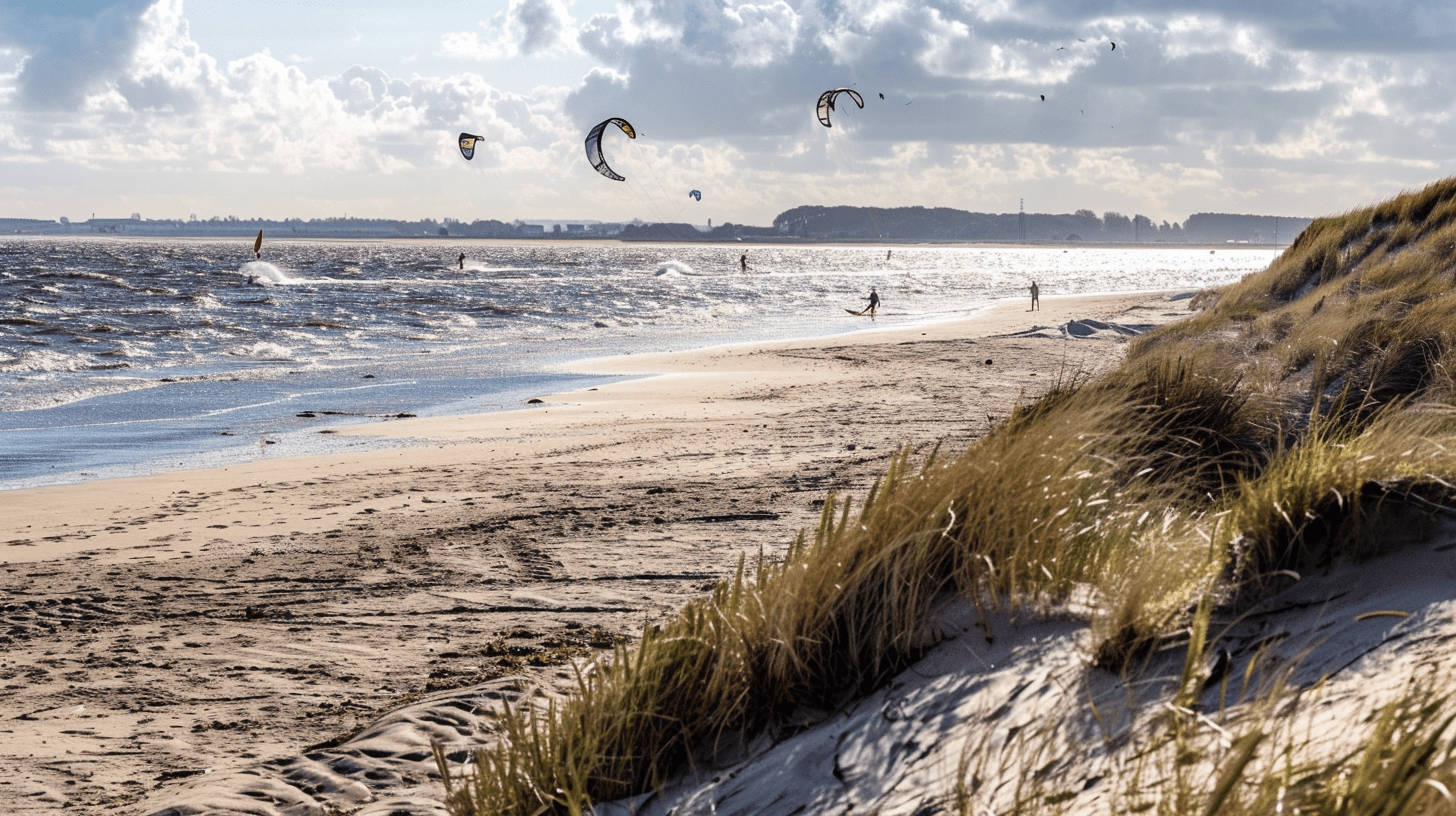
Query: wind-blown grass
<point>1266,433</point>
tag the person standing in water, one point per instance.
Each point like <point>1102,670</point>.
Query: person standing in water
<point>874,299</point>
<point>462,260</point>
<point>1035,297</point>
<point>743,262</point>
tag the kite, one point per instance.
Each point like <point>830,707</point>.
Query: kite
<point>594,146</point>
<point>826,102</point>
<point>695,194</point>
<point>1114,46</point>
<point>467,145</point>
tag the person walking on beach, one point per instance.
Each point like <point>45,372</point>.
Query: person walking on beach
<point>1035,297</point>
<point>462,260</point>
<point>743,262</point>
<point>874,299</point>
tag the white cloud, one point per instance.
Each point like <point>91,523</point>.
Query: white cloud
<point>762,34</point>
<point>70,55</point>
<point>526,28</point>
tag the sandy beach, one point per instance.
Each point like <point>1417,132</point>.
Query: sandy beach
<point>173,639</point>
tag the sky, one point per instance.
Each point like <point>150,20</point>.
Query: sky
<point>311,109</point>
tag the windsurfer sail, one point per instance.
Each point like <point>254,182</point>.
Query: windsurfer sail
<point>258,245</point>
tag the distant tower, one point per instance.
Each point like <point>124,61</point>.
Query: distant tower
<point>1021,219</point>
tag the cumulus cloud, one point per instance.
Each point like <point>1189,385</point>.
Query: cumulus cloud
<point>72,48</point>
<point>526,28</point>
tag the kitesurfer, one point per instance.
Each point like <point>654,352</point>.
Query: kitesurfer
<point>874,300</point>
<point>594,147</point>
<point>743,262</point>
<point>1035,297</point>
<point>462,260</point>
<point>827,99</point>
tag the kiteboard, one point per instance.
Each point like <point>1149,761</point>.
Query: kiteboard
<point>853,312</point>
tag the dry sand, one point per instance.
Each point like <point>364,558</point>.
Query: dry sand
<point>293,633</point>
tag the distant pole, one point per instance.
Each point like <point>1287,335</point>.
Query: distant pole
<point>1276,230</point>
<point>1021,219</point>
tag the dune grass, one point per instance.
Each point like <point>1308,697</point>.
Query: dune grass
<point>1268,432</point>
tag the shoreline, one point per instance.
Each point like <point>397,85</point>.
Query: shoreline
<point>597,367</point>
<point>168,632</point>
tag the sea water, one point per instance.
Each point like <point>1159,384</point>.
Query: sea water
<point>126,356</point>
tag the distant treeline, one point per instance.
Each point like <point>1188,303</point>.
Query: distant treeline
<point>688,232</point>
<point>945,224</point>
<point>808,223</point>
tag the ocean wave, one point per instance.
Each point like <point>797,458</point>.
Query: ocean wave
<point>42,360</point>
<point>38,395</point>
<point>262,350</point>
<point>673,269</point>
<point>262,273</point>
<point>128,350</point>
<point>84,275</point>
<point>201,301</point>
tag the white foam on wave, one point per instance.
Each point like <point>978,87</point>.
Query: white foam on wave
<point>129,349</point>
<point>30,395</point>
<point>461,321</point>
<point>673,269</point>
<point>263,273</point>
<point>262,350</point>
<point>42,360</point>
<point>496,269</point>
<point>308,338</point>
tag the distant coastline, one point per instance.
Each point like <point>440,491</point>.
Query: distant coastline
<point>801,225</point>
<point>784,241</point>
